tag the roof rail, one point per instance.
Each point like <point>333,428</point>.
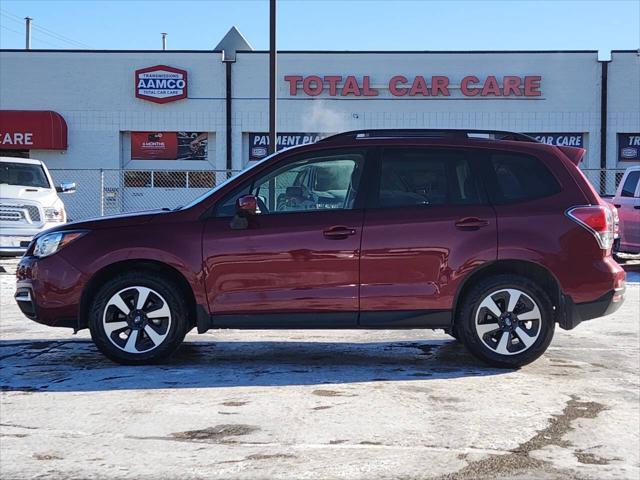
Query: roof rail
<point>428,133</point>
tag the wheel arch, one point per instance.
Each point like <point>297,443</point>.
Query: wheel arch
<point>100,277</point>
<point>527,269</point>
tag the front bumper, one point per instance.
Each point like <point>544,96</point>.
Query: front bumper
<point>48,290</point>
<point>14,244</point>
<point>575,313</point>
<point>15,240</point>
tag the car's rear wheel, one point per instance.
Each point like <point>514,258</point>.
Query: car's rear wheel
<point>138,318</point>
<point>506,321</point>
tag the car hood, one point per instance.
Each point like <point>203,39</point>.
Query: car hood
<point>113,221</point>
<point>17,193</point>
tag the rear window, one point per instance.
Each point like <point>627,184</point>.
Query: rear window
<point>417,176</point>
<point>23,174</point>
<point>520,178</point>
<point>630,184</point>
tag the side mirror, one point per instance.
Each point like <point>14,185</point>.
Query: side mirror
<point>66,187</point>
<point>246,206</point>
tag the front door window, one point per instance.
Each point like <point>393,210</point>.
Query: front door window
<point>327,182</point>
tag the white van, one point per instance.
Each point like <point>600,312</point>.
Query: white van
<point>29,203</point>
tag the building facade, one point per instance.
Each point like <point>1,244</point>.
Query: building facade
<point>152,116</point>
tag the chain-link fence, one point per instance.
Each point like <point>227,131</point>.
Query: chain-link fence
<point>107,192</point>
<point>604,181</point>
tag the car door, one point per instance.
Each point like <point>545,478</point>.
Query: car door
<point>628,204</point>
<point>427,224</point>
<point>299,256</point>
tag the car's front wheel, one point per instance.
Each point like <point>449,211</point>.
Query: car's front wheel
<point>138,318</point>
<point>506,320</point>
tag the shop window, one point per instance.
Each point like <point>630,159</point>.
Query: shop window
<point>137,179</point>
<point>163,179</point>
<point>202,179</point>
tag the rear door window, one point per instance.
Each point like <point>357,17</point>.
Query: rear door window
<point>520,178</point>
<point>630,184</point>
<point>422,176</point>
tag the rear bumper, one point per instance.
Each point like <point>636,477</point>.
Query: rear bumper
<point>575,313</point>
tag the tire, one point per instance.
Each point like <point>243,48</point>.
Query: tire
<point>161,322</point>
<point>453,333</point>
<point>521,335</point>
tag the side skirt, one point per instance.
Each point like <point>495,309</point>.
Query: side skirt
<point>433,319</point>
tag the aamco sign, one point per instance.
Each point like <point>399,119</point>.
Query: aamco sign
<point>161,84</point>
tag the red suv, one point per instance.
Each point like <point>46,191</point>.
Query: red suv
<point>488,235</point>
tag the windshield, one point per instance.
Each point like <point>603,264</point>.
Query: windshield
<point>23,174</point>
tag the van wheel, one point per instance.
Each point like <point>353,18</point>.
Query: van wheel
<point>138,318</point>
<point>506,321</point>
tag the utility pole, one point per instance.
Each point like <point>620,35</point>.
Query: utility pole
<point>27,38</point>
<point>273,85</point>
<point>164,41</point>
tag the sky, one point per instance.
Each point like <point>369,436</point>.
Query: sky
<point>327,25</point>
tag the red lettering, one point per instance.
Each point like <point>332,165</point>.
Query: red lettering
<point>333,80</point>
<point>293,83</point>
<point>315,89</point>
<point>464,86</point>
<point>367,91</point>
<point>491,87</point>
<point>439,84</point>
<point>511,84</point>
<point>350,86</point>
<point>419,86</point>
<point>532,86</point>
<point>393,86</point>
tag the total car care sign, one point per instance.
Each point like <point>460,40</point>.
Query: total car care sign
<point>528,86</point>
<point>161,84</point>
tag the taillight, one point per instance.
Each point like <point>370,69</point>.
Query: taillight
<point>598,220</point>
<point>616,222</point>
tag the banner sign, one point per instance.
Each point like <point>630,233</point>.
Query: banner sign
<point>560,139</point>
<point>169,145</point>
<point>161,84</point>
<point>259,142</point>
<point>32,129</point>
<point>417,86</point>
<point>629,147</point>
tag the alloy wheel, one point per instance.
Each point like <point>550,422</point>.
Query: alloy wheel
<point>508,321</point>
<point>136,319</point>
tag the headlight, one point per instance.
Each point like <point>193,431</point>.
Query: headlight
<point>50,243</point>
<point>55,213</point>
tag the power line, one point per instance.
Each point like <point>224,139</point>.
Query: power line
<point>11,30</point>
<point>40,40</point>
<point>45,31</point>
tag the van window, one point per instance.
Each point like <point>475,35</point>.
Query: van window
<point>419,176</point>
<point>521,177</point>
<point>630,184</point>
<point>23,174</point>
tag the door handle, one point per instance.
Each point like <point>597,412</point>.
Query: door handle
<point>617,205</point>
<point>471,223</point>
<point>338,233</point>
<point>637,207</point>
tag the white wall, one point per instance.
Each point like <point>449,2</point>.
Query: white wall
<point>570,100</point>
<point>623,102</point>
<point>95,94</point>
